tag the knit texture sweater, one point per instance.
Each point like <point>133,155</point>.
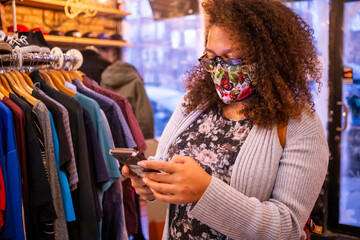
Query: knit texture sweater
<point>272,190</point>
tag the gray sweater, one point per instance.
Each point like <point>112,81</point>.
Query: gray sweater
<point>272,191</point>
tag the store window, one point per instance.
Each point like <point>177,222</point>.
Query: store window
<point>316,14</point>
<point>349,206</point>
<point>163,51</point>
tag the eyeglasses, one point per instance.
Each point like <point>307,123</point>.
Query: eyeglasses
<point>228,64</point>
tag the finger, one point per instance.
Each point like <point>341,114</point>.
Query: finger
<point>173,199</point>
<point>137,182</point>
<point>148,197</point>
<point>160,177</point>
<point>143,191</point>
<point>157,165</point>
<point>160,187</point>
<point>180,159</point>
<point>127,172</point>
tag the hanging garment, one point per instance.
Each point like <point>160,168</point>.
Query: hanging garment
<point>125,108</point>
<point>2,199</point>
<point>64,183</point>
<point>63,127</point>
<point>7,232</point>
<point>107,126</point>
<point>10,164</point>
<point>98,171</point>
<point>124,79</point>
<point>110,162</point>
<point>119,127</point>
<point>86,226</point>
<point>41,209</point>
<point>60,227</point>
<point>20,131</point>
<point>67,155</point>
<point>113,225</point>
<point>131,215</point>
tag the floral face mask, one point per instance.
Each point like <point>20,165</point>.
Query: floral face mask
<point>234,81</point>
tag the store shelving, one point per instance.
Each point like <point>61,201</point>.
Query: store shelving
<point>59,5</point>
<point>73,41</point>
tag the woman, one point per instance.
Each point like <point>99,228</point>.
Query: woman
<point>224,172</point>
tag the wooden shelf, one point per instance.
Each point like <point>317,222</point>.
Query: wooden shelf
<point>59,6</point>
<point>65,40</point>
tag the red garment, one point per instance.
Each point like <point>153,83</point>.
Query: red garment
<point>19,121</point>
<point>131,217</point>
<point>2,200</point>
<point>125,108</point>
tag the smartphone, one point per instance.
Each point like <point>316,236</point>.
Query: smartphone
<point>130,157</point>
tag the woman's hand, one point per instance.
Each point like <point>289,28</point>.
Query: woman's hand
<point>140,187</point>
<point>182,181</point>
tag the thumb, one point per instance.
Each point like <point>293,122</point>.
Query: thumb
<point>125,171</point>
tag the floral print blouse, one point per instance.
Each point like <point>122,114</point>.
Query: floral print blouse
<point>214,141</point>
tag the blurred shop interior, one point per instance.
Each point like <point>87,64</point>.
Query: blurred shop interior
<point>156,42</point>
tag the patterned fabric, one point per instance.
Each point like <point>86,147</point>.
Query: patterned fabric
<point>234,83</point>
<point>214,142</point>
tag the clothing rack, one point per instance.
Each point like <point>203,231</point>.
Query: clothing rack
<point>71,60</point>
<point>13,6</point>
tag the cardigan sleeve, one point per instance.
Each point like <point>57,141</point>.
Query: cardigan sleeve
<point>174,121</point>
<point>300,176</point>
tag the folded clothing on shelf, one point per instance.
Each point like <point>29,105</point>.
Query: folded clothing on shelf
<point>106,36</point>
<point>22,44</point>
<point>56,33</point>
<point>5,48</point>
<point>37,38</point>
<point>89,35</point>
<point>73,33</point>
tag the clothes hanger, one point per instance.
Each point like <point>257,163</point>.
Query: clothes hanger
<point>5,84</point>
<point>66,75</point>
<point>59,82</point>
<point>59,75</point>
<point>47,79</point>
<point>21,81</point>
<point>3,90</point>
<point>19,90</point>
<point>15,79</point>
<point>1,96</point>
<point>72,76</point>
<point>27,79</point>
<point>78,75</point>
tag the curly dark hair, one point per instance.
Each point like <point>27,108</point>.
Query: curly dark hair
<point>280,42</point>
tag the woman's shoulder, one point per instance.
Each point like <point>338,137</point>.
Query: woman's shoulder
<point>309,123</point>
<point>180,110</point>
